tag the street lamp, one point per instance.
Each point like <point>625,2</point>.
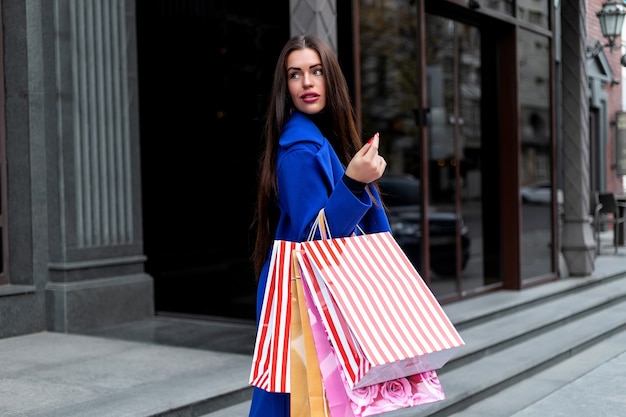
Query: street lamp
<point>611,18</point>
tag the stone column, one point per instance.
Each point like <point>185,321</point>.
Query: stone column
<point>315,17</point>
<point>95,269</point>
<point>578,245</point>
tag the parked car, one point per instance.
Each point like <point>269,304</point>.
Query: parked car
<point>539,193</point>
<point>402,195</point>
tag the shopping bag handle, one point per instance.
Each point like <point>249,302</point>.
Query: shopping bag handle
<point>295,269</point>
<point>321,224</point>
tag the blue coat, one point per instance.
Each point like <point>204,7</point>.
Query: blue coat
<point>309,179</point>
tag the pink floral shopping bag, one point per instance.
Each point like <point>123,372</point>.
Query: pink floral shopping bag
<point>414,391</point>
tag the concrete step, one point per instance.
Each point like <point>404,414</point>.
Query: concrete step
<point>484,377</point>
<point>503,330</point>
<point>549,392</point>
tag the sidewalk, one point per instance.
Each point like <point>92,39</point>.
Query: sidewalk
<point>142,370</point>
<point>61,375</point>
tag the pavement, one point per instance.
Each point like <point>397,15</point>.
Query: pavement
<point>183,367</point>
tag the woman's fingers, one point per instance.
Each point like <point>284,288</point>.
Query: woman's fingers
<point>373,142</point>
<point>367,165</point>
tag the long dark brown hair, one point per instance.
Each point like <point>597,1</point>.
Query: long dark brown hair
<point>342,126</point>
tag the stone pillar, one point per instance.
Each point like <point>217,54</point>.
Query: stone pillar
<point>578,245</point>
<point>95,268</point>
<point>315,17</point>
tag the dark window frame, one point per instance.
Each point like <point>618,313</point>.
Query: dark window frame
<point>4,247</point>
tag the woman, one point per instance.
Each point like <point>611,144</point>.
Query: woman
<point>313,159</point>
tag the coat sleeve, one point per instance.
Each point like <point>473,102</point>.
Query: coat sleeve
<point>306,184</point>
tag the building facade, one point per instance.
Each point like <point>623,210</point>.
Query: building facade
<point>130,133</point>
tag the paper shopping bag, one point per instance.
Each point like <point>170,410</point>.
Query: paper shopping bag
<point>307,394</point>
<point>337,398</point>
<point>383,321</point>
<point>415,391</point>
<point>270,360</point>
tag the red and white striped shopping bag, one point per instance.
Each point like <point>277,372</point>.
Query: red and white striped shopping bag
<point>271,358</point>
<point>383,320</point>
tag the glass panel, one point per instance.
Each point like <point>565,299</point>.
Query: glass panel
<point>534,11</point>
<point>536,151</point>
<point>389,76</point>
<point>453,61</point>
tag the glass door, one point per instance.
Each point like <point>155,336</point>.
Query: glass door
<point>453,95</point>
<point>440,178</point>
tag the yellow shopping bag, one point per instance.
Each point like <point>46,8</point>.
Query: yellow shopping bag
<point>307,392</point>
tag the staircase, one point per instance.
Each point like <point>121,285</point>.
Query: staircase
<point>519,336</point>
<point>514,339</point>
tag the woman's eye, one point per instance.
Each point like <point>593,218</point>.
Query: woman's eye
<point>317,72</point>
<point>294,75</point>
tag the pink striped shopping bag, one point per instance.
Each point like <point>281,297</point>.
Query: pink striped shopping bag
<point>414,391</point>
<point>381,317</point>
<point>271,357</point>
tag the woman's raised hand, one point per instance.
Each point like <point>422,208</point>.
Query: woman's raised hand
<point>367,165</point>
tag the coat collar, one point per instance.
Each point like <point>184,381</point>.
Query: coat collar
<point>300,128</point>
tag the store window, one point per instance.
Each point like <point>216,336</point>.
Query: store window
<point>441,89</point>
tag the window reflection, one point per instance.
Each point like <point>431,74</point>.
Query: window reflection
<point>503,6</point>
<point>531,11</point>
<point>454,94</point>
<point>536,154</point>
<point>534,11</point>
